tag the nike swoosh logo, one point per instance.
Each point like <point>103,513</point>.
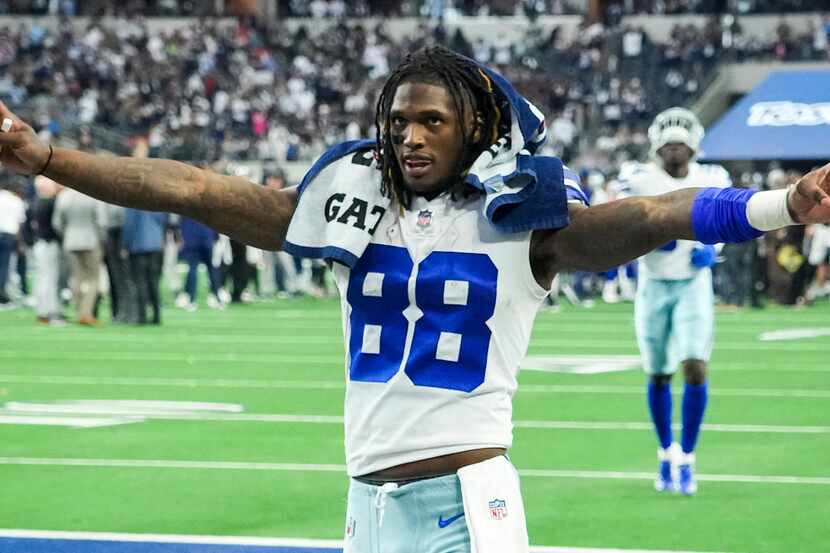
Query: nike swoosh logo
<point>444,522</point>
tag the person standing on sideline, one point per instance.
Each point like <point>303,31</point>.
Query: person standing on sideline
<point>12,216</point>
<point>439,285</point>
<point>123,301</point>
<point>46,252</point>
<point>674,304</point>
<point>75,219</point>
<point>143,239</point>
<point>197,248</point>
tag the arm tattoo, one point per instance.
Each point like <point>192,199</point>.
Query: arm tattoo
<point>133,174</point>
<point>612,234</point>
<point>233,206</point>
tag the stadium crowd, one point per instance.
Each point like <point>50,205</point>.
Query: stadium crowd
<point>210,93</point>
<point>260,91</point>
<point>397,8</point>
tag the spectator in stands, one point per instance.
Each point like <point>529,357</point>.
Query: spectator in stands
<point>258,90</point>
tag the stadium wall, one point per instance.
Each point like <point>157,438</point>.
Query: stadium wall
<point>510,28</point>
<point>659,28</point>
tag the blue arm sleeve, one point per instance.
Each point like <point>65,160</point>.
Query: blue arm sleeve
<point>719,215</point>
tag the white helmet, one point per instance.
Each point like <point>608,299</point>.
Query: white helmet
<point>675,125</point>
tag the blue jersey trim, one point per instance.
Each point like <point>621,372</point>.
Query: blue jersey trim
<point>327,252</point>
<point>576,194</point>
<point>331,155</point>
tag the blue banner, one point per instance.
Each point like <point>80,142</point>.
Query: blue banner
<point>786,117</point>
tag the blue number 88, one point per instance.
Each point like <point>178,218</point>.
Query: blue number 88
<point>455,291</point>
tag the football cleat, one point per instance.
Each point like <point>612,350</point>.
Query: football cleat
<point>664,482</point>
<point>686,483</point>
<point>666,475</point>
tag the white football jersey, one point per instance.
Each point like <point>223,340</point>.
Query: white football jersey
<point>649,179</point>
<point>437,315</point>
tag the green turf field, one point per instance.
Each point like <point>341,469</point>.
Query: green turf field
<point>583,441</point>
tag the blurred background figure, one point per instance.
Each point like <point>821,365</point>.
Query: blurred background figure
<point>197,249</point>
<point>819,260</point>
<point>735,278</point>
<point>75,219</point>
<point>787,268</point>
<point>235,264</point>
<point>12,217</point>
<point>123,302</point>
<point>46,251</point>
<point>143,240</point>
<point>279,271</point>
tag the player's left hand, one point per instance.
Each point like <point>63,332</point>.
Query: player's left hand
<point>809,200</point>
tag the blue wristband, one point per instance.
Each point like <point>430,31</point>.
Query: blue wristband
<point>719,215</point>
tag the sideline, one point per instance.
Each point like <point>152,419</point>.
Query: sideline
<point>44,541</point>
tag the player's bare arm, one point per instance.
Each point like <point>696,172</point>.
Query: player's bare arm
<point>614,233</point>
<point>611,234</point>
<point>247,212</point>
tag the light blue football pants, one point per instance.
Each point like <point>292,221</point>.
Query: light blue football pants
<point>426,516</point>
<point>675,321</point>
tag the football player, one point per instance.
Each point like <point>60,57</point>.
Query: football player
<point>674,306</point>
<point>438,309</point>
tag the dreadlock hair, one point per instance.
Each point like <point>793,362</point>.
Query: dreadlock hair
<point>470,89</point>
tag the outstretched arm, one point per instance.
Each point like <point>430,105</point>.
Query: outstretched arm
<point>614,233</point>
<point>249,213</point>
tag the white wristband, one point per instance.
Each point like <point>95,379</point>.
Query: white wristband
<point>768,210</point>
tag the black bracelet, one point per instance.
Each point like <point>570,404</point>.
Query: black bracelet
<point>48,160</point>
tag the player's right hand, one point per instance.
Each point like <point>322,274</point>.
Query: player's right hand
<point>704,256</point>
<point>20,148</point>
<point>809,200</point>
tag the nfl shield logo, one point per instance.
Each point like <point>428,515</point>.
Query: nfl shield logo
<point>498,509</point>
<point>424,218</point>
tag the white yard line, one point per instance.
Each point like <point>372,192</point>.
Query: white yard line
<point>636,390</point>
<point>27,410</point>
<point>732,478</point>
<point>299,467</point>
<point>256,541</point>
<point>171,464</point>
<point>182,357</point>
<point>71,422</point>
<point>334,384</point>
<point>552,346</point>
<point>173,382</point>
